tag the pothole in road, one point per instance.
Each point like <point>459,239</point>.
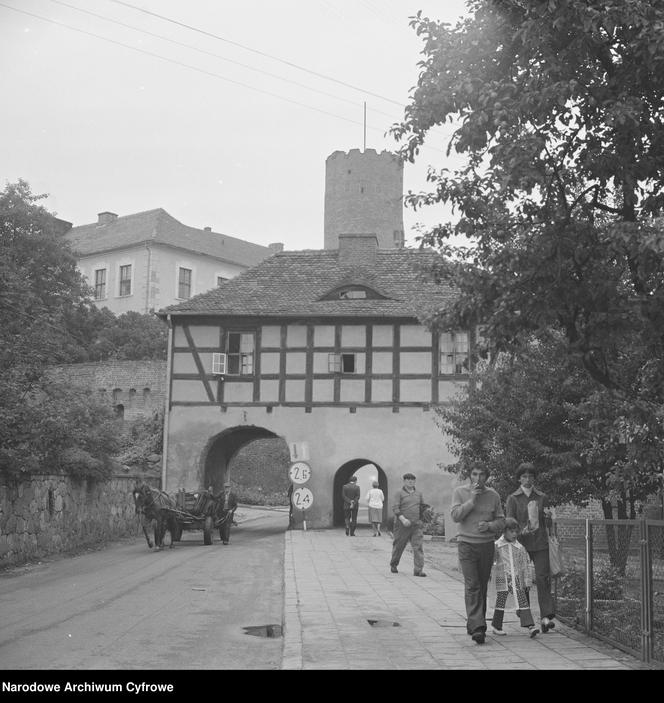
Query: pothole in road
<point>264,630</point>
<point>383,623</point>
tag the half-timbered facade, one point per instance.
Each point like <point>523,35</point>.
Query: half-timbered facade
<point>323,348</point>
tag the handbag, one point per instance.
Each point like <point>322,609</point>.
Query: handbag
<point>556,566</point>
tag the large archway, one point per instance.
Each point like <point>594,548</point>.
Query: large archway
<point>254,459</point>
<point>355,466</point>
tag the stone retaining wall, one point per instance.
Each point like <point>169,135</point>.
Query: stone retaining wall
<point>47,514</point>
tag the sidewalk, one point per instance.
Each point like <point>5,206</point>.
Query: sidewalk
<point>337,586</point>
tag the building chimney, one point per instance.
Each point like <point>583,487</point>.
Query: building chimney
<point>207,229</point>
<point>105,218</point>
<point>357,249</point>
<point>276,247</point>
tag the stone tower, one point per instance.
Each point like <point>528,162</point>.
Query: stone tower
<point>364,195</point>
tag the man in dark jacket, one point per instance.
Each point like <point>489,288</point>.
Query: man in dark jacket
<point>227,510</point>
<point>351,495</point>
<point>407,507</point>
<point>529,506</point>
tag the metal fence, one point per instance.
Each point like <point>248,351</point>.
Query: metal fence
<point>612,585</point>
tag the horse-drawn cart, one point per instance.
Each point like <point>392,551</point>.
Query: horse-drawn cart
<point>197,511</point>
<point>160,512</point>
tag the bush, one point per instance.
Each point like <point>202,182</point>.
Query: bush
<point>607,584</point>
<point>58,428</point>
<point>141,440</point>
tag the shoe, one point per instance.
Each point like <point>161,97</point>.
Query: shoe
<point>478,637</point>
<point>496,631</point>
<point>394,569</point>
<point>534,631</point>
<point>379,533</point>
<point>347,532</point>
<point>419,573</point>
<point>547,624</point>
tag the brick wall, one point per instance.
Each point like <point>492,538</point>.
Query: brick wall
<point>47,514</point>
<point>139,387</point>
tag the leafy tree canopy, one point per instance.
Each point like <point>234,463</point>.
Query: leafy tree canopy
<point>558,111</point>
<point>541,406</point>
<point>559,106</point>
<point>47,317</point>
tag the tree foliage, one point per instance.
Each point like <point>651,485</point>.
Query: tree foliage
<point>541,405</point>
<point>559,114</point>
<point>130,336</point>
<point>43,426</point>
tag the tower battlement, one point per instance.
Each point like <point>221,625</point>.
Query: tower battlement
<point>364,193</point>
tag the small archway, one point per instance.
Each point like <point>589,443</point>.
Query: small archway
<point>341,477</point>
<point>253,458</point>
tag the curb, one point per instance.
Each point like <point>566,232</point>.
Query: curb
<point>292,631</point>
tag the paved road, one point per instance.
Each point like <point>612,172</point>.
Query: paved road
<point>126,607</point>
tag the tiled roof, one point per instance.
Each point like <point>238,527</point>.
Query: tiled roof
<point>292,283</point>
<point>158,227</point>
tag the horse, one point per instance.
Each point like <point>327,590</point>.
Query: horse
<point>152,507</point>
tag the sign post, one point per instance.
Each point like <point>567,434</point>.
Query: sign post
<point>302,498</point>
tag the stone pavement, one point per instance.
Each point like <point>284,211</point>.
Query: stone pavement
<point>336,586</point>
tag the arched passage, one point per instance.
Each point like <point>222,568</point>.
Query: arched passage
<point>341,477</point>
<point>253,458</point>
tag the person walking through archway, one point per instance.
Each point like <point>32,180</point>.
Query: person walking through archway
<point>351,496</point>
<point>375,499</point>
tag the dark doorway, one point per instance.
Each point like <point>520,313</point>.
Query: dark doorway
<point>341,477</point>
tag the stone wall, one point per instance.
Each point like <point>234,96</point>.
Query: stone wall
<point>48,514</point>
<point>134,388</point>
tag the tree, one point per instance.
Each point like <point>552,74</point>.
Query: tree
<point>541,405</point>
<point>130,336</point>
<point>559,113</point>
<point>43,426</point>
<point>561,121</point>
<point>40,287</point>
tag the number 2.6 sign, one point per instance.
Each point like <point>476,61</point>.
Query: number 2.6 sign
<point>299,472</point>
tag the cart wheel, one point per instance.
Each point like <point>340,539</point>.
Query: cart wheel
<point>207,530</point>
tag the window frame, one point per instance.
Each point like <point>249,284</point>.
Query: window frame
<point>121,280</point>
<point>460,356</point>
<point>245,365</point>
<point>103,284</point>
<point>337,362</point>
<point>180,283</point>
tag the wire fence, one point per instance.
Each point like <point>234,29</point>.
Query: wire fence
<point>612,585</point>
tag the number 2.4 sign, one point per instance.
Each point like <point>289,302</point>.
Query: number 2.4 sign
<point>299,472</point>
<point>303,498</point>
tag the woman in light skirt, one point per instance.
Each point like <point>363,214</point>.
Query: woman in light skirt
<point>375,499</point>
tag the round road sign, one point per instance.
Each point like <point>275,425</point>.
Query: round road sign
<point>299,472</point>
<point>302,498</point>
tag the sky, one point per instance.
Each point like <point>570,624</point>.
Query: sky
<point>220,112</point>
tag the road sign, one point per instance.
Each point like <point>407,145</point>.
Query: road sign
<point>302,498</point>
<point>299,451</point>
<point>299,472</point>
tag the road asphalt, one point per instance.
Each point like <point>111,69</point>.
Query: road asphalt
<point>344,609</point>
